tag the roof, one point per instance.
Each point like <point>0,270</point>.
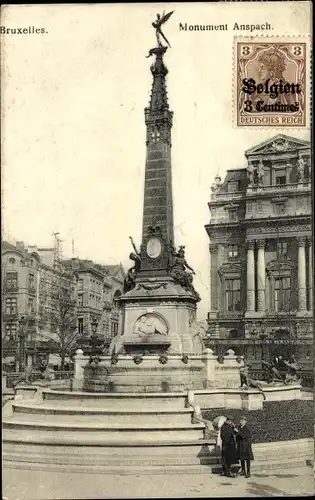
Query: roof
<point>279,143</point>
<point>90,266</point>
<point>113,269</point>
<point>237,175</point>
<point>6,246</point>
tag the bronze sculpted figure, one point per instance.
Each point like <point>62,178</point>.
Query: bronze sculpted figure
<point>292,376</point>
<point>157,25</point>
<point>272,374</point>
<point>133,271</point>
<point>178,270</point>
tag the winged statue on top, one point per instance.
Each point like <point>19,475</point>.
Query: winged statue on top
<point>160,20</point>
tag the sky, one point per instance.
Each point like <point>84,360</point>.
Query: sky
<point>73,131</point>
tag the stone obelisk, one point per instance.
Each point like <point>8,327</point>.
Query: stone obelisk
<point>159,298</point>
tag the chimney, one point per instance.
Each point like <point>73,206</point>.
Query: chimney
<point>75,263</point>
<point>20,246</point>
<point>32,248</point>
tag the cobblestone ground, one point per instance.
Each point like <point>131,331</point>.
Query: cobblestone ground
<point>34,485</point>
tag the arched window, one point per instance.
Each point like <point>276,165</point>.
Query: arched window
<point>234,334</point>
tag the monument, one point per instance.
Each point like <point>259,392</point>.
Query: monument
<point>158,308</point>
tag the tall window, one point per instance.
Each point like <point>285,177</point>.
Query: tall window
<point>282,249</point>
<point>282,294</point>
<point>250,206</point>
<point>232,294</point>
<point>11,305</point>
<point>11,281</point>
<point>233,214</point>
<point>281,177</point>
<point>80,284</point>
<point>106,327</point>
<point>80,325</point>
<point>80,299</point>
<point>30,305</point>
<point>232,187</point>
<point>10,329</point>
<point>31,281</point>
<point>233,251</point>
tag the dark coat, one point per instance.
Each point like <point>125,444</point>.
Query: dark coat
<point>229,449</point>
<point>244,443</point>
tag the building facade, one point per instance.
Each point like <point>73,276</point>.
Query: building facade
<point>98,288</point>
<point>32,279</point>
<point>261,271</point>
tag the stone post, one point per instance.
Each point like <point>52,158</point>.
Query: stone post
<point>310,271</point>
<point>209,360</point>
<point>79,364</point>
<point>301,274</point>
<point>250,277</point>
<point>261,274</point>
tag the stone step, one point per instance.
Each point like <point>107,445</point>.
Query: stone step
<point>95,434</point>
<point>116,401</point>
<point>262,451</point>
<point>256,467</point>
<point>193,455</point>
<point>200,447</point>
<point>111,417</point>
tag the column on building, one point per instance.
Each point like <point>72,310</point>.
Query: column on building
<point>310,274</point>
<point>301,274</point>
<point>213,277</point>
<point>250,277</point>
<point>261,276</point>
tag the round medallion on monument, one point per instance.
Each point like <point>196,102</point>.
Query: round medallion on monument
<point>154,248</point>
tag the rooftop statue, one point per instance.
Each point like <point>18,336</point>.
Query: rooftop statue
<point>160,20</point>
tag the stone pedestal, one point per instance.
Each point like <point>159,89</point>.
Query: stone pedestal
<point>167,306</point>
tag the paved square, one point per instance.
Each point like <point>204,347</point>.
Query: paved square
<point>31,485</point>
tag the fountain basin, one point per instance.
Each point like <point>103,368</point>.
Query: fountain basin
<point>150,373</point>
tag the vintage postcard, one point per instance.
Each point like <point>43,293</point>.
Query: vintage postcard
<point>157,284</point>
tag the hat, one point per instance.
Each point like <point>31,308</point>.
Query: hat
<point>230,418</point>
<point>242,417</point>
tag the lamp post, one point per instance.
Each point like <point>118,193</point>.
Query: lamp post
<point>263,337</point>
<point>22,334</point>
<point>94,339</point>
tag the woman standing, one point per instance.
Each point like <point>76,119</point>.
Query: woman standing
<point>244,445</point>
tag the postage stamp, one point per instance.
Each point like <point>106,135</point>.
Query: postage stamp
<point>271,82</point>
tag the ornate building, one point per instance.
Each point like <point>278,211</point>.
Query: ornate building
<point>29,279</point>
<point>98,288</point>
<point>261,253</point>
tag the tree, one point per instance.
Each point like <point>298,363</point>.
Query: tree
<point>60,315</point>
